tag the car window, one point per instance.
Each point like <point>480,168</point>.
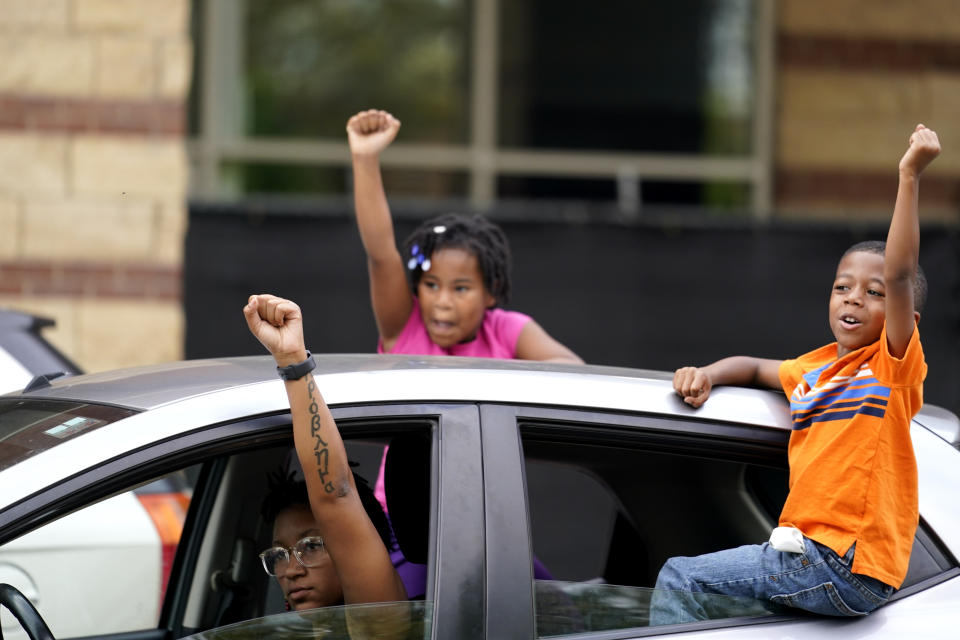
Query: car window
<point>607,510</point>
<point>103,568</point>
<point>227,582</point>
<point>605,517</point>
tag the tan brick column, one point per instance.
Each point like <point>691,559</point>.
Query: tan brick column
<point>93,173</point>
<point>854,77</point>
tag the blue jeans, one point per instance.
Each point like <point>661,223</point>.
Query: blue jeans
<point>817,580</point>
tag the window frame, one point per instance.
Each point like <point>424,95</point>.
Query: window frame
<point>457,589</point>
<point>502,429</point>
<point>220,141</point>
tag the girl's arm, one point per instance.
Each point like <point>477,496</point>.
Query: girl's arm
<point>534,343</point>
<point>369,133</point>
<point>362,562</point>
<point>903,242</point>
<point>693,384</point>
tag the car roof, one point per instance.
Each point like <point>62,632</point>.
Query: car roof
<point>163,401</point>
<point>176,398</point>
<point>352,378</point>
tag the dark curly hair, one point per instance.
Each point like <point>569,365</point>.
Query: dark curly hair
<point>285,490</point>
<point>473,233</point>
<point>879,247</point>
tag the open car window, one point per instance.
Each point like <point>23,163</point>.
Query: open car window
<point>227,582</point>
<point>180,551</point>
<point>604,519</point>
<point>608,506</point>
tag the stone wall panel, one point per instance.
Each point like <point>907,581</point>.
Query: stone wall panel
<point>120,333</point>
<point>899,19</point>
<point>126,166</point>
<point>48,15</point>
<point>148,17</point>
<point>10,226</point>
<point>126,68</point>
<point>88,229</point>
<point>32,164</point>
<point>47,65</point>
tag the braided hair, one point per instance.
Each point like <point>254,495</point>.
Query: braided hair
<point>285,490</point>
<point>476,235</point>
<point>879,247</point>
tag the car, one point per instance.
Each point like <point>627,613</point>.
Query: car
<point>25,353</point>
<point>598,474</point>
<point>153,514</point>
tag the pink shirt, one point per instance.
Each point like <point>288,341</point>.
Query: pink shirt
<point>496,337</point>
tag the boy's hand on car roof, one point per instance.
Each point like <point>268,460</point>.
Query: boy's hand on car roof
<point>370,132</point>
<point>923,147</point>
<point>693,385</point>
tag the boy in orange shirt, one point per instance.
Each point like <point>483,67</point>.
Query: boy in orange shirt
<point>847,527</point>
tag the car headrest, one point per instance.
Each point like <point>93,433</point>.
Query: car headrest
<point>406,477</point>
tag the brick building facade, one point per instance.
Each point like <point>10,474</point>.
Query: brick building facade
<point>853,77</point>
<point>93,173</point>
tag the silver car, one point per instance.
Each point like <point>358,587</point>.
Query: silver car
<point>540,500</point>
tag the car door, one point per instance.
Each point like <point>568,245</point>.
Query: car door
<point>608,497</point>
<point>215,579</point>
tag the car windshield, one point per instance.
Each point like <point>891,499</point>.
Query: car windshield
<point>565,608</point>
<point>28,427</point>
<point>391,620</point>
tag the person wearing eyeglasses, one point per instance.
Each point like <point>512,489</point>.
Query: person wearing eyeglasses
<point>298,558</point>
<point>334,541</point>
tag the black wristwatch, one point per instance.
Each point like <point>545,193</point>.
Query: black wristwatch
<point>298,370</point>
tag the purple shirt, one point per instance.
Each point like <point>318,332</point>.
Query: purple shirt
<point>496,337</point>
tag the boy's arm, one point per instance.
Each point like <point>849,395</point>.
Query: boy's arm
<point>369,133</point>
<point>361,560</point>
<point>903,241</point>
<point>693,384</point>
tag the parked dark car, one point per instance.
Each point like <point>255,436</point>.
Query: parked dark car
<point>25,353</point>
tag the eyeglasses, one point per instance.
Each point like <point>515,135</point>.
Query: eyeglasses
<point>308,552</point>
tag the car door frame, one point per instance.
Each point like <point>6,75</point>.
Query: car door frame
<point>509,534</point>
<point>457,532</point>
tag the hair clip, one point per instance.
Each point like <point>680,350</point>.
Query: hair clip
<point>417,258</point>
<point>439,229</point>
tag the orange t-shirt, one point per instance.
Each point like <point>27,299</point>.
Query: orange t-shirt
<point>853,475</point>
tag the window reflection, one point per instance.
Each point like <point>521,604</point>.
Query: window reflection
<point>310,65</point>
<point>627,76</point>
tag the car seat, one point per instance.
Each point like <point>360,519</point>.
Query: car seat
<point>407,489</point>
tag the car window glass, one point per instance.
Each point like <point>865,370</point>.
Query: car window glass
<point>104,568</point>
<point>391,620</point>
<point>565,608</point>
<point>605,518</point>
<point>228,583</point>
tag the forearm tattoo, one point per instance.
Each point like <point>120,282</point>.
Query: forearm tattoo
<point>320,449</point>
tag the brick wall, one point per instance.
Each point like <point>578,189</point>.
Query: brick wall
<point>853,79</point>
<point>93,173</point>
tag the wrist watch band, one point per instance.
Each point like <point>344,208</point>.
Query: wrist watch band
<point>298,370</point>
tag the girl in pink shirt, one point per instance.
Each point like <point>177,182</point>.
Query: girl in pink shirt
<point>440,296</point>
